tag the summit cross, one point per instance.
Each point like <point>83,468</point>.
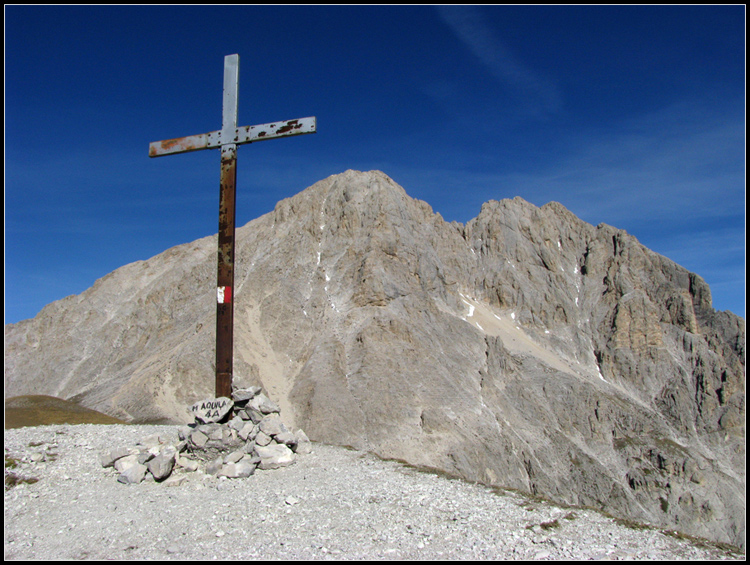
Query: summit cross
<point>228,138</point>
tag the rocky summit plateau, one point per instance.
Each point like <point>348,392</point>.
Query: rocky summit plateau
<point>526,349</point>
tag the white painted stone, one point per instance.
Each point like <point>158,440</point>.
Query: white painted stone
<point>211,409</point>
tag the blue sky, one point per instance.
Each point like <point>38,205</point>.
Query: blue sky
<point>631,116</point>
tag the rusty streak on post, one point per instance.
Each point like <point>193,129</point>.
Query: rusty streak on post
<point>225,271</point>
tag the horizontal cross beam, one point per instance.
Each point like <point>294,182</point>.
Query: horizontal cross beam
<point>245,134</point>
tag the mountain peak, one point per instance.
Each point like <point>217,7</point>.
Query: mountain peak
<point>350,189</point>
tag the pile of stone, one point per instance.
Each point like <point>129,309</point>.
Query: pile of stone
<point>229,438</point>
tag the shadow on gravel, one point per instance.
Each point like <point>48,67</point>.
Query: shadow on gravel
<point>38,410</point>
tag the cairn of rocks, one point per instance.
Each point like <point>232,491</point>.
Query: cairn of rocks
<point>228,438</point>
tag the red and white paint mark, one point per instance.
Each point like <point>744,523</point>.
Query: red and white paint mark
<point>224,294</point>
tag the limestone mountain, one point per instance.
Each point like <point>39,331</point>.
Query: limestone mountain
<point>526,349</point>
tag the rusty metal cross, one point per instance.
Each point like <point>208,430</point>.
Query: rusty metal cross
<point>228,138</point>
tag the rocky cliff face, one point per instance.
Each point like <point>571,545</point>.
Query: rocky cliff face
<point>526,349</point>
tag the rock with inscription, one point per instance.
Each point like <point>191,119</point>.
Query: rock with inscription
<point>212,409</point>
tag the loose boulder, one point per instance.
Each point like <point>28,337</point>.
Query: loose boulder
<point>161,466</point>
<point>274,456</point>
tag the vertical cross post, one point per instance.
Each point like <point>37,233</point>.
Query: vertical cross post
<point>228,138</point>
<point>227,197</point>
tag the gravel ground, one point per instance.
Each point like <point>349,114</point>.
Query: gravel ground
<point>331,504</point>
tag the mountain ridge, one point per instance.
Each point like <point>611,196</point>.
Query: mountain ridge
<point>525,348</point>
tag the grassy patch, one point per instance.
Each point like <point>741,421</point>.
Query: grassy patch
<point>551,525</point>
<point>632,524</point>
<point>12,480</point>
<point>728,549</point>
<point>40,410</point>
